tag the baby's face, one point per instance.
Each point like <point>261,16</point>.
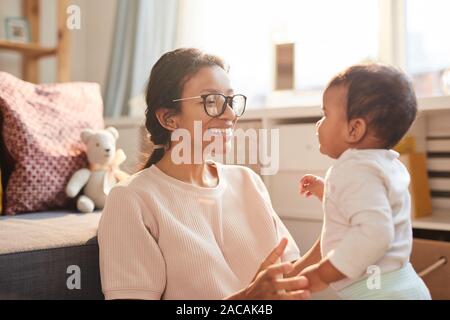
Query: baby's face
<point>332,128</point>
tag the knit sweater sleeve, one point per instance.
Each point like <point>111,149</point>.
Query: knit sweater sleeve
<point>131,263</point>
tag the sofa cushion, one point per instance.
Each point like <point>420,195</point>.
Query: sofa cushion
<point>41,126</point>
<point>46,230</point>
<point>37,250</point>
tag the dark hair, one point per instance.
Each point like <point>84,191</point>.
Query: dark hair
<point>166,83</point>
<point>383,96</point>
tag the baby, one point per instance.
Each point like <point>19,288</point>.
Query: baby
<point>366,240</point>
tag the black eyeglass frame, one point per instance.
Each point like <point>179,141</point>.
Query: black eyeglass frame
<point>224,107</point>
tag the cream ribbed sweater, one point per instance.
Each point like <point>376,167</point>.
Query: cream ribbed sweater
<point>161,238</point>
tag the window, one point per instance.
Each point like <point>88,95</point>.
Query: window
<point>329,35</point>
<point>428,48</point>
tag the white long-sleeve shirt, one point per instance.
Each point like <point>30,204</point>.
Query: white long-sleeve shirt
<point>161,238</point>
<point>367,217</point>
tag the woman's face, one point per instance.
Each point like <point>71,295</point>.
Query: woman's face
<point>217,131</point>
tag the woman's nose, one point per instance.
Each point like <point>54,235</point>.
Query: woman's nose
<point>229,113</point>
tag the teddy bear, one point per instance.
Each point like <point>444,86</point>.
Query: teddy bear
<point>103,173</point>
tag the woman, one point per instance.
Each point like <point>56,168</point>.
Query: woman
<point>194,230</point>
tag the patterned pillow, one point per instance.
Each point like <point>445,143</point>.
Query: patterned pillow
<point>41,140</point>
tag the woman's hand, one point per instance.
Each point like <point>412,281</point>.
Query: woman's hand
<point>268,283</point>
<point>273,257</point>
<point>311,185</point>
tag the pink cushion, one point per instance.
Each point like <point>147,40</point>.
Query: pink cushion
<point>41,139</point>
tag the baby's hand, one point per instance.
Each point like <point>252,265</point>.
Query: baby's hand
<point>311,185</point>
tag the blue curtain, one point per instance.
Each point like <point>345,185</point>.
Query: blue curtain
<point>144,30</point>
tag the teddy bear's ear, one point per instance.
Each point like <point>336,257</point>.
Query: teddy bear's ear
<point>113,131</point>
<point>86,134</point>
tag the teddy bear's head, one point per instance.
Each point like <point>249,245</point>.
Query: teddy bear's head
<point>100,145</point>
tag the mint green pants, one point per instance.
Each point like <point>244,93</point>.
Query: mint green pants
<point>402,284</point>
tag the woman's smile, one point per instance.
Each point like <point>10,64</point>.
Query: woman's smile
<point>217,132</point>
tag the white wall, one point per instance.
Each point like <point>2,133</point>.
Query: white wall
<point>91,45</point>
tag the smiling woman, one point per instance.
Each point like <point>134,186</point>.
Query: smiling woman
<point>199,230</point>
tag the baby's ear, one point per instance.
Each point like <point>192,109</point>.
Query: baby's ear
<point>357,130</point>
<point>86,134</point>
<point>113,131</point>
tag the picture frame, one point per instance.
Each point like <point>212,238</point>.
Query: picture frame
<point>17,29</point>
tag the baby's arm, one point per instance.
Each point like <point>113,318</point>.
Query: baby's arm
<point>311,185</point>
<point>321,274</point>
<point>309,258</point>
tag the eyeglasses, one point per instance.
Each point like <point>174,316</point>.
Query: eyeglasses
<point>216,103</point>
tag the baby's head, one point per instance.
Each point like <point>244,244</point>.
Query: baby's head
<point>366,107</point>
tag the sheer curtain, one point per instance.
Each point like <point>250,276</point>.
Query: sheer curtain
<point>144,30</point>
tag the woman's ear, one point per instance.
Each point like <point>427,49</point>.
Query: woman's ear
<point>167,119</point>
<point>357,130</point>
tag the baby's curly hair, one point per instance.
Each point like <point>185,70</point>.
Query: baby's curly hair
<point>383,96</point>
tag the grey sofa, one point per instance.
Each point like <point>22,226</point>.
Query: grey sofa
<point>36,251</point>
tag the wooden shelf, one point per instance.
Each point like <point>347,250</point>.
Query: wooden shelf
<point>30,49</point>
<point>32,52</point>
<point>434,104</point>
<point>439,220</point>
